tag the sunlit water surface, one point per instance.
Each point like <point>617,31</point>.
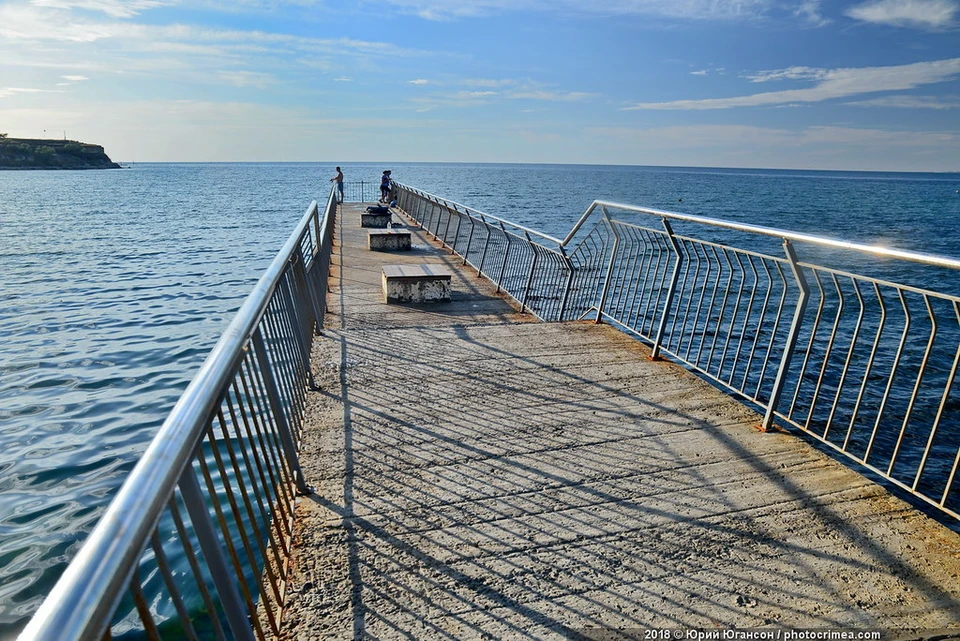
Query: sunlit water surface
<point>115,285</point>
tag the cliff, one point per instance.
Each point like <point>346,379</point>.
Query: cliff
<point>26,153</point>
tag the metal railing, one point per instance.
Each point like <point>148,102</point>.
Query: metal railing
<point>867,365</point>
<point>361,191</point>
<point>196,542</point>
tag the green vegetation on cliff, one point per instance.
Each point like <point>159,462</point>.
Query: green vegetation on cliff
<point>25,153</point>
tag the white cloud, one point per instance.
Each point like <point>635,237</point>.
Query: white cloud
<point>791,73</point>
<point>910,102</point>
<point>710,136</point>
<point>441,10</point>
<point>490,82</point>
<point>6,92</point>
<point>21,22</point>
<point>549,96</point>
<point>246,79</point>
<point>928,14</point>
<point>485,91</point>
<point>75,78</point>
<point>832,84</point>
<point>881,138</point>
<point>113,8</point>
<point>702,72</point>
<point>418,81</point>
<point>812,147</point>
<point>809,12</point>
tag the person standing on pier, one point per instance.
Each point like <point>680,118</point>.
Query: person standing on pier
<point>385,186</point>
<point>339,179</point>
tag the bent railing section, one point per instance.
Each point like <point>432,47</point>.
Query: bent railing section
<point>529,266</point>
<point>196,542</point>
<point>865,364</point>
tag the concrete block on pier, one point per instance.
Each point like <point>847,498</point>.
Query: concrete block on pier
<point>416,283</point>
<point>389,240</point>
<point>375,220</point>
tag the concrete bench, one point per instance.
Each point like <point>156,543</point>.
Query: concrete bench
<point>416,283</point>
<point>389,240</point>
<point>379,221</point>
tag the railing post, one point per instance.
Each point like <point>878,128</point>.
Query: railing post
<point>533,267</point>
<point>486,244</point>
<point>321,266</point>
<point>668,304</point>
<point>299,327</point>
<point>422,212</point>
<point>446,229</point>
<point>466,252</point>
<point>566,291</point>
<point>418,212</point>
<point>304,281</point>
<point>273,395</point>
<point>792,337</point>
<point>434,213</point>
<point>456,234</point>
<point>506,255</point>
<point>613,257</point>
<point>230,599</point>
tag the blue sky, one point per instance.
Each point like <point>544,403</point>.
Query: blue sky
<point>864,84</point>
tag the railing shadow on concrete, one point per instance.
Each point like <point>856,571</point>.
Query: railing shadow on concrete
<point>414,547</point>
<point>865,364</point>
<point>197,541</point>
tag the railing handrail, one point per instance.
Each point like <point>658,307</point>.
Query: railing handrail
<point>877,250</point>
<point>774,232</point>
<point>94,581</point>
<point>468,210</point>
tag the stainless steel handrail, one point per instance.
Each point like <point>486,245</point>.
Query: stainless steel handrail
<point>517,256</point>
<point>84,600</point>
<point>877,250</point>
<point>470,211</point>
<point>867,365</point>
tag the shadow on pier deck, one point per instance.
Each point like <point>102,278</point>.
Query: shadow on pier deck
<point>481,475</point>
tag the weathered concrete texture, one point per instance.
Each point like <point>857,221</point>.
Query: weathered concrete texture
<point>479,475</point>
<point>376,221</point>
<point>416,283</point>
<point>388,240</point>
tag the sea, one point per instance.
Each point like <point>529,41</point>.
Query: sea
<point>116,283</point>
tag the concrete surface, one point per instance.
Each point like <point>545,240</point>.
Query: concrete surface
<point>388,240</point>
<point>479,475</point>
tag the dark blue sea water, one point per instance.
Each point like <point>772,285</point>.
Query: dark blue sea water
<point>115,284</point>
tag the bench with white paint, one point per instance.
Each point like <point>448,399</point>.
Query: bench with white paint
<point>416,283</point>
<point>388,240</point>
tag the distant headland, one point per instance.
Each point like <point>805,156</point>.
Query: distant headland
<point>28,153</point>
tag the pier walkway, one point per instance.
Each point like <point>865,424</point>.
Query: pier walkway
<point>478,474</point>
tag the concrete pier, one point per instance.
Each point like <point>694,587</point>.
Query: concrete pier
<point>481,475</point>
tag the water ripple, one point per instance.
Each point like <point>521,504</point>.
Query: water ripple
<point>117,284</point>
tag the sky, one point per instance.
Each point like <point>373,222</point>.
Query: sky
<point>800,84</point>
